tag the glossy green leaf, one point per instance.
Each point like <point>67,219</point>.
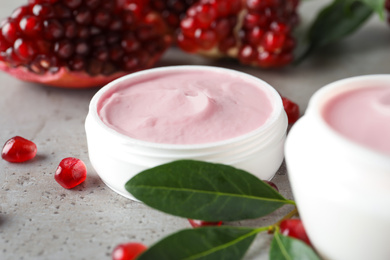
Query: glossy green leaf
<point>287,248</point>
<point>222,243</point>
<point>334,22</point>
<point>377,5</point>
<point>205,191</point>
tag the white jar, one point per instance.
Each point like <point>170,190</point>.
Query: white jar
<point>342,188</point>
<point>117,157</point>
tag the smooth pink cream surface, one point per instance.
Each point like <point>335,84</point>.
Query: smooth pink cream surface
<point>362,115</point>
<point>185,107</point>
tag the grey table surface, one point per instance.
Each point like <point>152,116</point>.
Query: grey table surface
<point>41,220</point>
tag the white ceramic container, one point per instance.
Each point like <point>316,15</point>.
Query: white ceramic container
<point>342,188</point>
<point>117,157</point>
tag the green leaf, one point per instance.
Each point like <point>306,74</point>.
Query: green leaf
<point>203,243</point>
<point>205,191</point>
<point>334,22</point>
<point>287,248</point>
<point>377,5</point>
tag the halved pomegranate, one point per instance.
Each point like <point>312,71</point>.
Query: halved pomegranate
<point>256,32</point>
<point>81,43</point>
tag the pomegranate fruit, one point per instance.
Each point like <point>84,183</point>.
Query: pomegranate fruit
<point>200,223</point>
<point>70,172</point>
<point>294,228</point>
<point>256,32</point>
<point>292,110</point>
<point>18,149</point>
<point>129,251</point>
<point>81,43</point>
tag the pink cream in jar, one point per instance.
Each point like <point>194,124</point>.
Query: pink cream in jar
<point>362,115</point>
<point>202,113</point>
<point>185,107</point>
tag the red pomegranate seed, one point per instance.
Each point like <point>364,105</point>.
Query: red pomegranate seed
<point>200,223</point>
<point>30,25</point>
<point>274,42</point>
<point>70,172</point>
<point>43,10</point>
<point>273,185</point>
<point>62,11</point>
<point>24,49</point>
<point>292,110</point>
<point>20,12</point>
<point>77,63</point>
<point>3,43</point>
<point>128,251</point>
<point>72,3</point>
<point>18,149</point>
<point>64,49</point>
<point>10,31</point>
<point>53,29</point>
<point>294,228</point>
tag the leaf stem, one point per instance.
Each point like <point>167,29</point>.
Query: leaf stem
<point>275,226</point>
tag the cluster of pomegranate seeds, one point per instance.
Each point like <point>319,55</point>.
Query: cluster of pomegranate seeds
<point>172,11</point>
<point>129,251</point>
<point>18,149</point>
<point>292,110</point>
<point>70,172</point>
<point>257,32</point>
<point>294,228</point>
<point>200,223</point>
<point>96,36</point>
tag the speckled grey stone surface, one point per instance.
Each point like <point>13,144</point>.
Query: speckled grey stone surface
<point>41,220</point>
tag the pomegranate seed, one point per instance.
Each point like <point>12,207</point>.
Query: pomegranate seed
<point>70,172</point>
<point>273,185</point>
<point>18,149</point>
<point>70,29</point>
<point>129,251</point>
<point>247,54</point>
<point>20,12</point>
<point>77,63</point>
<point>274,42</point>
<point>73,4</point>
<point>53,29</point>
<point>25,50</point>
<point>30,25</point>
<point>102,18</point>
<point>206,39</point>
<point>129,43</point>
<point>4,45</point>
<point>9,31</point>
<point>294,228</point>
<point>62,11</point>
<point>200,223</point>
<point>83,16</point>
<point>292,110</point>
<point>64,49</point>
<point>205,15</point>
<point>43,10</point>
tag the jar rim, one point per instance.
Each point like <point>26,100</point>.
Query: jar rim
<point>274,96</point>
